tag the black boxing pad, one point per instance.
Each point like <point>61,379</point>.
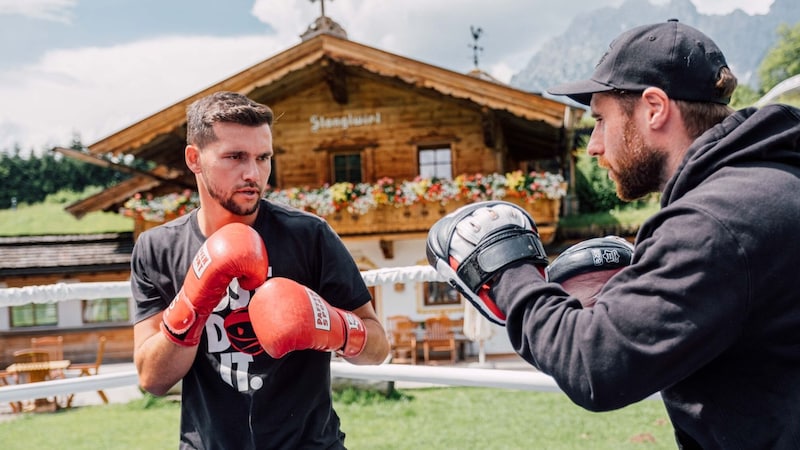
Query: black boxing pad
<point>583,268</point>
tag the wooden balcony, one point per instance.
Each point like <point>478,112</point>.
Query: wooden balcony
<point>415,220</point>
<point>419,217</point>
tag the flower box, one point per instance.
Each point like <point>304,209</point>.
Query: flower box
<point>387,206</point>
<point>419,217</point>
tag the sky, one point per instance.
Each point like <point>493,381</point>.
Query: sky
<point>89,68</point>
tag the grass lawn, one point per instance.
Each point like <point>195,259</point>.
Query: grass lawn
<point>434,418</point>
<point>49,217</point>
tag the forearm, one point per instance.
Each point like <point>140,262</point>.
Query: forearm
<point>159,362</point>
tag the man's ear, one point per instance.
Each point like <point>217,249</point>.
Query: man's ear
<point>658,107</point>
<point>192,156</point>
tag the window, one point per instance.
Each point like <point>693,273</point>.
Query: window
<point>436,163</point>
<point>34,314</point>
<point>347,167</point>
<point>439,294</point>
<point>105,310</point>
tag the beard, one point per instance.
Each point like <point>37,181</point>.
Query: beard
<point>640,167</point>
<point>227,201</point>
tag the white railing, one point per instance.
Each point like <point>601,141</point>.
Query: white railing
<point>453,376</point>
<point>449,376</point>
<point>53,293</point>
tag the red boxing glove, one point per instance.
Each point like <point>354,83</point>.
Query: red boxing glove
<point>288,316</point>
<point>233,251</point>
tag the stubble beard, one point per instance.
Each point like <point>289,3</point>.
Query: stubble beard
<point>227,201</point>
<point>640,168</point>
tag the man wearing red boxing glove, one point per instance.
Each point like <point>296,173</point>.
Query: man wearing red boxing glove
<point>193,279</point>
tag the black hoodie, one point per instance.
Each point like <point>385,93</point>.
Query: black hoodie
<point>708,313</point>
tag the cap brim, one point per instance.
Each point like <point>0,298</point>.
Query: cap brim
<point>580,91</point>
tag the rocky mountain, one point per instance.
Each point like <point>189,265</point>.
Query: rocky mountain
<point>744,39</point>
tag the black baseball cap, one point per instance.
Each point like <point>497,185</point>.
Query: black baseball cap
<point>677,58</point>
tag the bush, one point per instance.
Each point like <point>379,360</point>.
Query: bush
<point>596,192</point>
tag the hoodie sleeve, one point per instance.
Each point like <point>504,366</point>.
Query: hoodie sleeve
<point>679,305</point>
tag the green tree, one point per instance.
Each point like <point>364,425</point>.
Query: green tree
<point>783,60</point>
<point>744,96</point>
<point>31,178</point>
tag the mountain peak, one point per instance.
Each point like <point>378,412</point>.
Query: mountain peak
<point>573,55</point>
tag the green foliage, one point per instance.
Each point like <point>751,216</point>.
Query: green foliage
<point>625,220</point>
<point>744,96</point>
<point>30,178</point>
<point>435,418</point>
<point>783,60</point>
<point>595,191</point>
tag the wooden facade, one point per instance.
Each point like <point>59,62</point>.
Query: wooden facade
<point>333,96</point>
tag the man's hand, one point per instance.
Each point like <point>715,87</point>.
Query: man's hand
<point>583,269</point>
<point>473,244</point>
<point>233,251</point>
<point>288,316</point>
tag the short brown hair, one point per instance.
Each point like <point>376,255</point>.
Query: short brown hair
<point>700,116</point>
<point>225,107</point>
<point>697,116</point>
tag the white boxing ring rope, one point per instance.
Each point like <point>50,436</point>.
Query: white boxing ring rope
<point>454,376</point>
<point>53,293</point>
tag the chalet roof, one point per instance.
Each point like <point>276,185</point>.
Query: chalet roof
<point>529,120</point>
<point>34,255</point>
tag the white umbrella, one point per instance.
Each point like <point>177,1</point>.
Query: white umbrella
<point>477,328</point>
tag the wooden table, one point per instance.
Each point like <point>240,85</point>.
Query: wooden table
<point>35,372</point>
<point>38,367</point>
<point>461,341</point>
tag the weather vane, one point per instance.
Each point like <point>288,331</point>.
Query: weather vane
<point>476,34</point>
<point>322,5</point>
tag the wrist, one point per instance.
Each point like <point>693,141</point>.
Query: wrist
<point>181,323</point>
<point>513,283</point>
<point>355,335</point>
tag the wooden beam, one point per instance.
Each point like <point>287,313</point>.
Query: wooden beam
<point>336,77</point>
<point>172,175</point>
<point>387,247</point>
<point>488,126</point>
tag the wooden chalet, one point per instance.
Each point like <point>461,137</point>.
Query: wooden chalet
<point>350,112</point>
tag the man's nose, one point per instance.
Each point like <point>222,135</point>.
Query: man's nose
<point>250,171</point>
<point>595,145</point>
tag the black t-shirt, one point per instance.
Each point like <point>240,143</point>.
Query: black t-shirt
<point>235,396</point>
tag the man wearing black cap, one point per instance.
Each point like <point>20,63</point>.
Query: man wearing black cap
<point>708,311</point>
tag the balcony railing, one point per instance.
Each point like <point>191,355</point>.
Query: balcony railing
<point>419,217</point>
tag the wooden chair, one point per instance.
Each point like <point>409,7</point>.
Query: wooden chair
<point>402,338</point>
<point>32,355</point>
<point>16,406</point>
<point>89,369</point>
<point>54,345</point>
<point>439,337</point>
